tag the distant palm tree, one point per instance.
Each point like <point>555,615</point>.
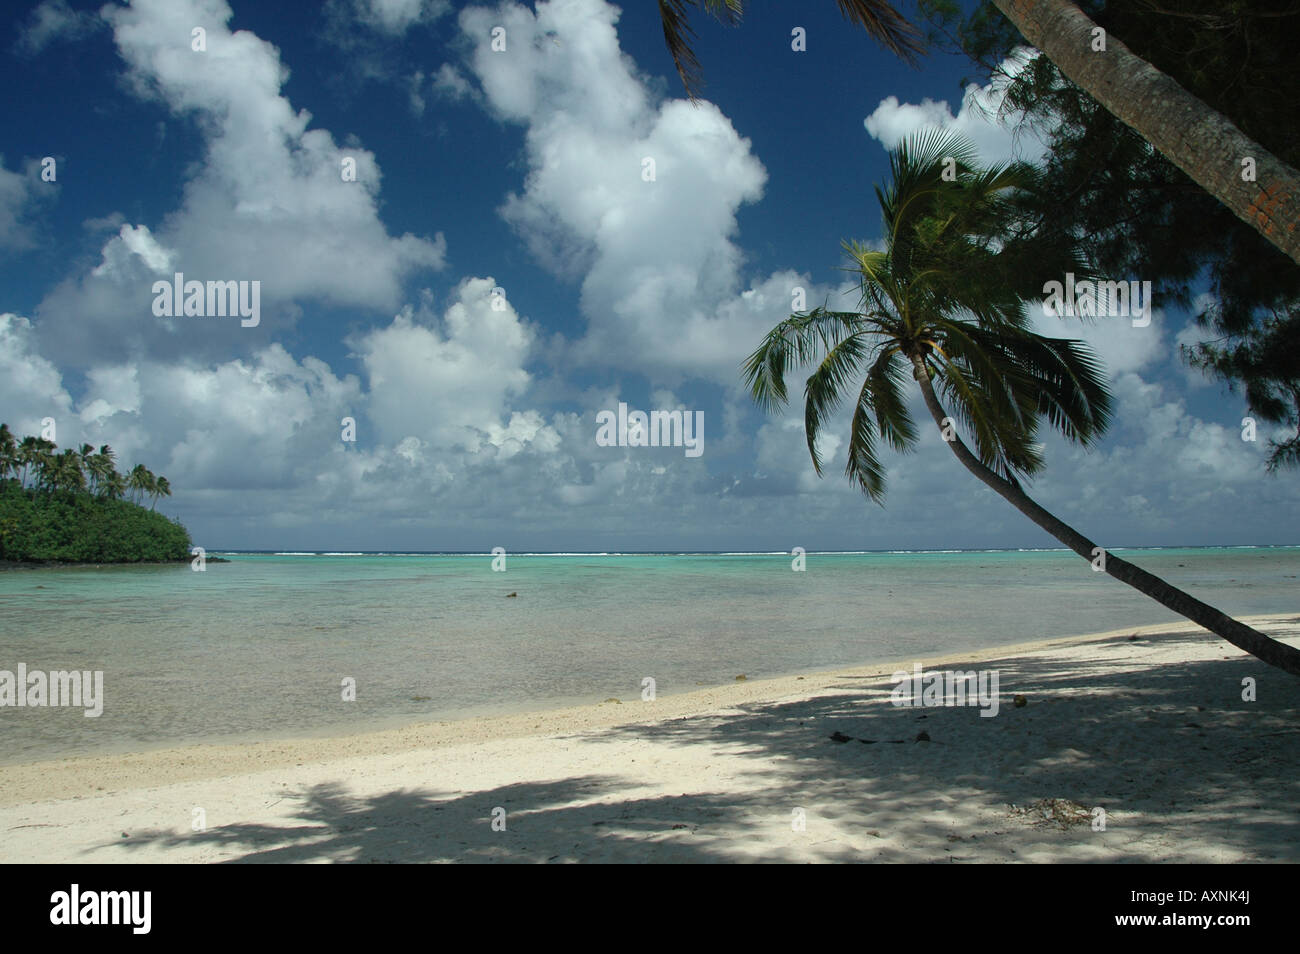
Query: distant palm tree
<point>66,473</point>
<point>162,488</point>
<point>138,481</point>
<point>29,454</point>
<point>86,454</point>
<point>103,465</point>
<point>152,490</point>
<point>8,452</point>
<point>44,463</point>
<point>114,486</point>
<point>944,304</point>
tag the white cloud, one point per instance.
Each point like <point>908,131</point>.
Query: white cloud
<point>661,284</point>
<point>394,17</point>
<point>137,242</point>
<point>264,422</point>
<point>1121,346</point>
<point>997,141</point>
<point>448,382</point>
<point>116,390</point>
<point>31,388</point>
<point>269,202</point>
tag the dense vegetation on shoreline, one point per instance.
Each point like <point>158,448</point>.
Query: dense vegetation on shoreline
<point>68,508</point>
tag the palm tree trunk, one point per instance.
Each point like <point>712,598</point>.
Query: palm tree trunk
<point>1239,634</point>
<point>1197,139</point>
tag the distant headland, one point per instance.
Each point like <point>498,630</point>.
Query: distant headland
<point>74,506</point>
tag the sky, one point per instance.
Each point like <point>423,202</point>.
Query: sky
<point>472,252</point>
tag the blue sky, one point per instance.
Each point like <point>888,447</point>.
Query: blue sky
<point>520,170</point>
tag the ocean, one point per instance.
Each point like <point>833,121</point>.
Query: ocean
<point>260,647</point>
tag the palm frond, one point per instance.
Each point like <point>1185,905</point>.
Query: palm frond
<point>863,465</point>
<point>824,389</point>
<point>889,28</point>
<point>886,379</point>
<point>944,299</point>
<point>799,340</point>
<point>679,37</point>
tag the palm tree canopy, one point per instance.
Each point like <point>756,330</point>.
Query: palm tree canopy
<point>8,451</point>
<point>946,295</point>
<point>878,17</point>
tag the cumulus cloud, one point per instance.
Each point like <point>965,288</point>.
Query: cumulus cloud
<point>269,203</point>
<point>1121,346</point>
<point>998,140</point>
<point>447,382</point>
<point>634,196</point>
<point>31,388</point>
<point>134,244</point>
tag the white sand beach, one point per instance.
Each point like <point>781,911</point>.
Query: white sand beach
<point>1153,730</point>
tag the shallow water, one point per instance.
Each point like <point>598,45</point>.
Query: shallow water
<point>258,647</point>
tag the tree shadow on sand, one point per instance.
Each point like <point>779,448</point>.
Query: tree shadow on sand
<point>542,825</point>
<point>1171,752</point>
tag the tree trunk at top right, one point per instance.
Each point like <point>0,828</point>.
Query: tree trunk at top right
<point>1202,142</point>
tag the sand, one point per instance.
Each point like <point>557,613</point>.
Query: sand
<point>1150,735</point>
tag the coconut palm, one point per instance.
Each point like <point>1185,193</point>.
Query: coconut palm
<point>43,462</point>
<point>155,489</point>
<point>29,452</point>
<point>8,452</point>
<point>943,303</point>
<point>86,454</point>
<point>161,489</point>
<point>67,472</point>
<point>103,465</point>
<point>114,486</point>
<point>139,481</point>
<point>1200,140</point>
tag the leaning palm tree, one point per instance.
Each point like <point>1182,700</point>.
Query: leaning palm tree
<point>161,488</point>
<point>944,304</point>
<point>1199,140</point>
<point>154,488</point>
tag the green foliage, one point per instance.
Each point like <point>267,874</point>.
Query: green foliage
<point>78,528</point>
<point>943,300</point>
<point>1141,215</point>
<point>67,508</point>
